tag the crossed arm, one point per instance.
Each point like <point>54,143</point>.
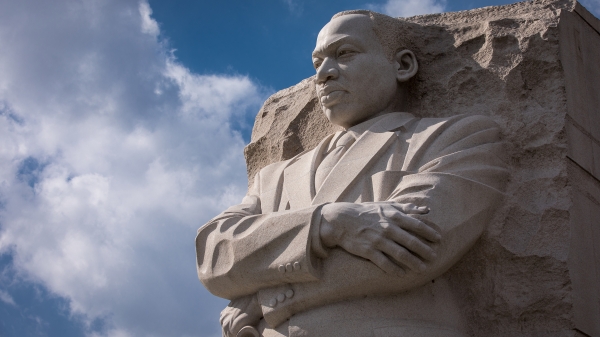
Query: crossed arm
<point>430,220</point>
<point>380,232</point>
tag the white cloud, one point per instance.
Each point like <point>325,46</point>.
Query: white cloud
<point>6,298</point>
<point>149,25</point>
<point>406,8</point>
<point>294,6</point>
<point>112,155</point>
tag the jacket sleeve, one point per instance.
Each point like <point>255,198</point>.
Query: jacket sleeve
<point>458,172</point>
<point>242,250</point>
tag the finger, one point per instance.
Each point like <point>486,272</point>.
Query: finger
<point>402,255</point>
<point>416,226</point>
<point>225,320</point>
<point>239,322</point>
<point>410,242</point>
<point>227,331</point>
<point>384,262</point>
<point>411,208</point>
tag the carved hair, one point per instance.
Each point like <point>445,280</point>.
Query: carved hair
<point>392,33</point>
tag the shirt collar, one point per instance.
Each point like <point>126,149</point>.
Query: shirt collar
<point>358,129</point>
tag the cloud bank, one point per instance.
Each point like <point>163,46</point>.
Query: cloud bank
<point>113,154</point>
<point>405,8</point>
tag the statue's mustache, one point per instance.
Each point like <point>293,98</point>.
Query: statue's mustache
<point>329,88</point>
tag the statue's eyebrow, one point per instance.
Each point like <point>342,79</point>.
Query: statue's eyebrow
<point>320,51</point>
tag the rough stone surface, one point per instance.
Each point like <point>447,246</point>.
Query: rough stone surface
<point>533,67</point>
<point>289,122</point>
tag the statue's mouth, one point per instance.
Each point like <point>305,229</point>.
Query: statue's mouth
<point>329,88</point>
<point>330,94</point>
<point>331,98</point>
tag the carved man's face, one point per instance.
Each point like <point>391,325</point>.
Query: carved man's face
<point>355,80</point>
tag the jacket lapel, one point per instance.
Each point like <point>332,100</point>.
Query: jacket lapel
<point>418,144</point>
<point>364,151</point>
<point>299,177</point>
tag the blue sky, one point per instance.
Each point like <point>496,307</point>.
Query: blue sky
<point>122,126</point>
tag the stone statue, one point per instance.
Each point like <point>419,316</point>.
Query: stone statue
<point>349,238</point>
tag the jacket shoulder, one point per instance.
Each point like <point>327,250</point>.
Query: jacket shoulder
<point>280,165</point>
<point>452,129</point>
<point>476,122</point>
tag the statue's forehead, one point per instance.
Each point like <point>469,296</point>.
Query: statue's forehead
<point>355,25</point>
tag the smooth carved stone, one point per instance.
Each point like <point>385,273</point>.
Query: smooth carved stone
<point>248,331</point>
<point>526,73</point>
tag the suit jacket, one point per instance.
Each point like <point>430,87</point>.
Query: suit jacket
<point>263,246</point>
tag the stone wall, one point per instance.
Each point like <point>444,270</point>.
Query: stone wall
<point>535,68</point>
<point>580,55</point>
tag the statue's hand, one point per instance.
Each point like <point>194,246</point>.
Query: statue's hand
<point>380,232</point>
<point>239,313</point>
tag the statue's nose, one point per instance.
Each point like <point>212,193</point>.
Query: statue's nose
<point>327,71</point>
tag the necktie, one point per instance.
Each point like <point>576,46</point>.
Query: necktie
<point>332,157</point>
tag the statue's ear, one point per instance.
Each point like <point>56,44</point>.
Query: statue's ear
<point>406,65</point>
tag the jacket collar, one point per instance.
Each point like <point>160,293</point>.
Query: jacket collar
<point>372,141</point>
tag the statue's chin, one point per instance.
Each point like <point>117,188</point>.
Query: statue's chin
<point>347,118</point>
<point>338,117</point>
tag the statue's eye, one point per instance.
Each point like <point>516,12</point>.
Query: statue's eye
<point>317,63</point>
<point>345,52</point>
